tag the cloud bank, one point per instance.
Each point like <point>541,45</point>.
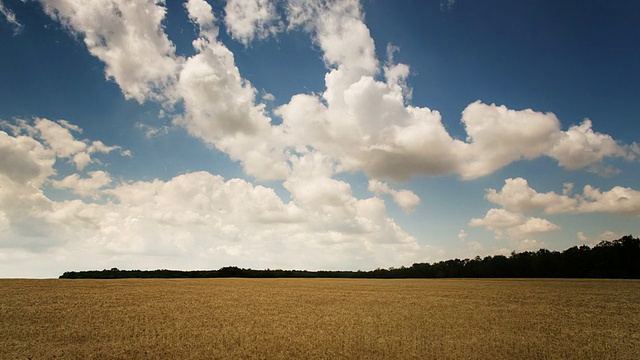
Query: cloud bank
<point>363,121</point>
<point>196,215</point>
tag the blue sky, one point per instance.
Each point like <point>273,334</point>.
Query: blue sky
<point>312,134</point>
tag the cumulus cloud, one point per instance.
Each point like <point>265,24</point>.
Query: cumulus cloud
<point>517,196</point>
<point>581,146</point>
<point>339,30</point>
<point>58,137</point>
<point>498,136</point>
<point>86,187</point>
<point>249,19</point>
<point>25,160</point>
<point>515,228</point>
<point>362,122</point>
<point>218,215</point>
<point>200,12</point>
<point>218,101</point>
<point>195,219</point>
<point>343,37</point>
<point>366,124</point>
<point>28,156</point>
<point>220,106</point>
<point>508,225</point>
<point>406,199</point>
<point>618,200</point>
<point>22,206</point>
<point>129,38</point>
<point>25,166</point>
<point>213,221</point>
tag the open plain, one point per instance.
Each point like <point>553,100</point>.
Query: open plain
<point>319,319</point>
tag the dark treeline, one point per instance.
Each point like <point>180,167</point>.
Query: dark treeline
<point>609,259</point>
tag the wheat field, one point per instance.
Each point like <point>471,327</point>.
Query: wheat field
<point>319,319</point>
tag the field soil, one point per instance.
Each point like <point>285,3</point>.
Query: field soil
<point>319,319</point>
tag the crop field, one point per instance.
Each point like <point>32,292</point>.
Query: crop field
<point>319,319</point>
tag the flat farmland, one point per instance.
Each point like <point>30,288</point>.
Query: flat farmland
<point>319,319</point>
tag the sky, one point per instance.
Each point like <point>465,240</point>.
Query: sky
<point>313,134</point>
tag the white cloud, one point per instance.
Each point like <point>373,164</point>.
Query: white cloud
<point>498,136</point>
<point>581,146</point>
<point>58,137</point>
<point>344,38</point>
<point>10,16</point>
<point>193,220</point>
<point>26,164</point>
<point>220,105</point>
<point>396,74</point>
<point>406,199</point>
<point>213,222</point>
<point>28,159</point>
<point>363,124</point>
<point>219,214</point>
<point>498,219</point>
<point>30,153</point>
<point>129,38</point>
<point>249,19</point>
<point>362,121</point>
<point>338,28</point>
<point>618,200</point>
<point>508,225</point>
<point>300,13</point>
<point>366,125</point>
<point>25,160</point>
<point>87,187</point>
<point>517,196</point>
<point>217,100</point>
<point>201,13</point>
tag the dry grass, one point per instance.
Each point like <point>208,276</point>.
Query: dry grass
<point>319,319</point>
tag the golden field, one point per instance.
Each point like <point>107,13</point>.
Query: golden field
<point>319,319</point>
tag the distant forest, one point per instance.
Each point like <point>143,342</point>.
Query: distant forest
<point>618,259</point>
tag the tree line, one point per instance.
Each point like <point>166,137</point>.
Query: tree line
<point>608,259</point>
